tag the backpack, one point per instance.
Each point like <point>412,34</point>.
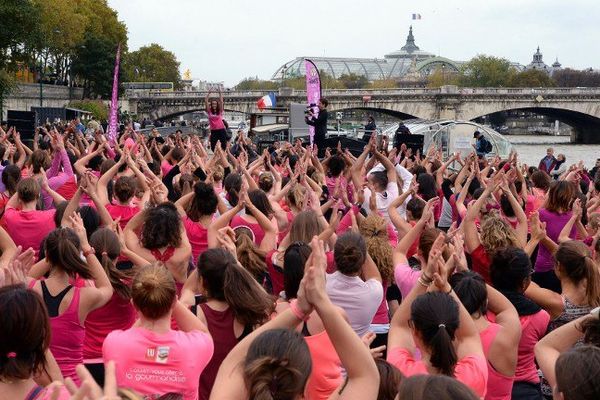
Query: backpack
<point>486,145</point>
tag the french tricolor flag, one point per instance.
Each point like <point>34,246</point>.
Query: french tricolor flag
<point>416,16</point>
<point>267,101</point>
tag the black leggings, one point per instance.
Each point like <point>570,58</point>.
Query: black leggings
<point>218,135</point>
<point>526,391</point>
<point>97,372</point>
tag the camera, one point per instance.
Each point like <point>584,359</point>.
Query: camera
<point>309,109</point>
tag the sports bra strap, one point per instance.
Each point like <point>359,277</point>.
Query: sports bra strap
<point>163,257</point>
<point>53,302</point>
<point>34,393</point>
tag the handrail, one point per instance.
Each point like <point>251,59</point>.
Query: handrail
<point>456,91</point>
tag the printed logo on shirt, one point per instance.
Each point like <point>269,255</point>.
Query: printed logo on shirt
<point>162,354</point>
<point>150,353</point>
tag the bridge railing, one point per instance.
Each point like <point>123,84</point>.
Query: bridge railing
<point>450,90</point>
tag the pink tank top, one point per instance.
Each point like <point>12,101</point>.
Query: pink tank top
<point>197,235</point>
<point>67,338</point>
<point>499,386</point>
<point>118,313</point>
<point>326,374</point>
<point>257,231</point>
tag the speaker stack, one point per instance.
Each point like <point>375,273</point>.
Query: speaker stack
<point>24,123</point>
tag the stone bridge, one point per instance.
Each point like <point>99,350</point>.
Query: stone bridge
<point>577,107</point>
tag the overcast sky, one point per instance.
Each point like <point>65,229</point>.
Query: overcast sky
<point>228,40</point>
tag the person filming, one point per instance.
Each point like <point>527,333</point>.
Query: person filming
<point>320,124</point>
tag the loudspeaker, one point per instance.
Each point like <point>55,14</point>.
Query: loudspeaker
<point>23,121</point>
<point>414,142</point>
<point>355,146</point>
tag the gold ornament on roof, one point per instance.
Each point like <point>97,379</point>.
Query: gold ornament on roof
<point>187,75</point>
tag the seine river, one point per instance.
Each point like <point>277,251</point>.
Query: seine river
<point>531,148</point>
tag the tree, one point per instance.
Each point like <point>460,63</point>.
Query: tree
<point>353,81</point>
<point>531,78</point>
<point>256,84</point>
<point>440,77</point>
<point>486,71</point>
<point>94,64</point>
<point>152,64</point>
<point>98,109</point>
<point>383,84</point>
<point>573,78</point>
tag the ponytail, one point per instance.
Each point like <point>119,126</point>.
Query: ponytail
<point>575,261</point>
<point>277,365</point>
<point>225,280</point>
<point>116,277</point>
<point>592,289</point>
<point>443,355</point>
<point>436,317</point>
<point>63,250</point>
<point>271,378</point>
<point>250,303</point>
<point>107,246</point>
<point>248,254</point>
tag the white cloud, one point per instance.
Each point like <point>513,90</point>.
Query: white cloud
<point>227,40</point>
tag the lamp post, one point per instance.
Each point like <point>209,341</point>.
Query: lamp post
<point>41,69</point>
<point>41,79</point>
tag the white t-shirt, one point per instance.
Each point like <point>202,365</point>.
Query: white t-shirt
<point>406,177</point>
<point>359,299</point>
<point>383,200</point>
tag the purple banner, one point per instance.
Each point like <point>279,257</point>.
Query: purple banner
<point>313,91</point>
<point>114,103</point>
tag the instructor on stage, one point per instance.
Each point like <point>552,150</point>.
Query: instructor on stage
<point>320,124</point>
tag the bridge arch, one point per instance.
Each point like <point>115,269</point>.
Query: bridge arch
<point>586,123</point>
<point>187,111</point>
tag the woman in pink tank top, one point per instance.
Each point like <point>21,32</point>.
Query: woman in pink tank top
<point>231,311</point>
<point>500,339</point>
<point>274,361</point>
<point>67,298</point>
<point>326,373</point>
<point>24,341</point>
<point>437,323</point>
<point>197,210</point>
<point>162,239</point>
<point>250,219</point>
<point>118,313</point>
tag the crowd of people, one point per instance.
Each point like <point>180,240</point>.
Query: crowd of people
<point>139,268</point>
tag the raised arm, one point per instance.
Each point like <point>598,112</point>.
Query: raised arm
<point>470,229</point>
<point>105,179</point>
<point>519,213</point>
<point>560,340</point>
<point>399,254</point>
<point>222,222</point>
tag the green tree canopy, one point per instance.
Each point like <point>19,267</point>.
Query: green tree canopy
<point>152,64</point>
<point>486,71</point>
<point>353,81</point>
<point>531,78</point>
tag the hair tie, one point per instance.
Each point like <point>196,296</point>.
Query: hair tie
<point>104,253</point>
<point>273,385</point>
<point>11,354</point>
<point>442,326</point>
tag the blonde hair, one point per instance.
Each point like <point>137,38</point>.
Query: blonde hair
<point>374,230</point>
<point>296,197</point>
<point>153,291</point>
<point>496,234</point>
<point>248,254</point>
<point>218,173</point>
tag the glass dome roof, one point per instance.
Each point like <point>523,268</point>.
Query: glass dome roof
<point>453,136</point>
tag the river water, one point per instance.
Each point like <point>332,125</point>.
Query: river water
<point>531,149</point>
